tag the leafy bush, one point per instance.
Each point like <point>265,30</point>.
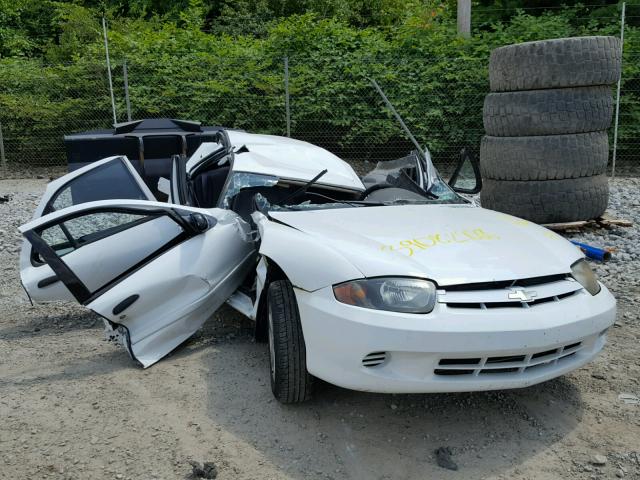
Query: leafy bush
<point>178,68</point>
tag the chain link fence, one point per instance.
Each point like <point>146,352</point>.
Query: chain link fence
<point>628,145</point>
<point>353,122</point>
<point>345,115</point>
<point>41,103</point>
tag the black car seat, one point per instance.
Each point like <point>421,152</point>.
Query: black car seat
<point>208,185</point>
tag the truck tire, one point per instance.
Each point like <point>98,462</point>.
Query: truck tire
<point>545,157</point>
<point>558,63</point>
<point>548,201</point>
<point>290,381</point>
<point>548,112</point>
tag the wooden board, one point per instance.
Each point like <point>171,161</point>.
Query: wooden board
<point>563,226</point>
<point>605,221</point>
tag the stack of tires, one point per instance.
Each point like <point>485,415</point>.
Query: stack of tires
<point>545,153</point>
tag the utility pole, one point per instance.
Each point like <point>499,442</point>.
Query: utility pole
<point>464,18</point>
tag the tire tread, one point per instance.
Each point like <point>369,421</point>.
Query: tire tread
<point>548,201</point>
<point>548,112</point>
<point>293,384</point>
<point>556,63</point>
<point>544,157</point>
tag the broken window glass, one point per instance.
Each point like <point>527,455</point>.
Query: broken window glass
<point>106,182</point>
<point>403,173</point>
<point>240,180</point>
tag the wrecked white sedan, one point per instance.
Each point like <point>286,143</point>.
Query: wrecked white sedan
<point>390,283</point>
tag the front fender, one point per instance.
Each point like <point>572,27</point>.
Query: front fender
<point>307,261</point>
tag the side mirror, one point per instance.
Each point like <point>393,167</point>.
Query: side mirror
<point>466,177</point>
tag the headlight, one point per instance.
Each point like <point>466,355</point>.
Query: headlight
<point>582,272</point>
<point>405,295</point>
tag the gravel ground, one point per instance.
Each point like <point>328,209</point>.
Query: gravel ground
<point>75,406</point>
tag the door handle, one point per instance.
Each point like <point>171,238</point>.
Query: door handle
<point>45,282</point>
<point>124,304</point>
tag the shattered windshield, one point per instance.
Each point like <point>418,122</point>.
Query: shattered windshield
<point>264,205</point>
<point>240,180</point>
<point>395,182</point>
<point>404,173</point>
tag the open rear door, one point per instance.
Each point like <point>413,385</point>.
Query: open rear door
<point>110,178</point>
<point>154,271</point>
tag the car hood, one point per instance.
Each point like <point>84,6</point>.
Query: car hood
<point>450,244</point>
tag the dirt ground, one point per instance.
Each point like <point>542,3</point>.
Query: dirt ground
<point>75,406</point>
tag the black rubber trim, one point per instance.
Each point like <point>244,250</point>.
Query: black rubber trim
<point>173,194</point>
<point>179,177</point>
<point>27,292</point>
<point>64,273</point>
<point>126,303</point>
<point>45,282</point>
<point>475,164</point>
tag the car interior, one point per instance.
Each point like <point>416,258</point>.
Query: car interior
<point>244,203</point>
<point>390,181</point>
<point>208,183</point>
<point>207,186</point>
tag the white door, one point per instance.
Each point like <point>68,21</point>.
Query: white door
<point>110,178</point>
<point>154,271</point>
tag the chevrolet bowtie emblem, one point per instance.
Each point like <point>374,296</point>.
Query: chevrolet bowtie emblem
<point>523,296</point>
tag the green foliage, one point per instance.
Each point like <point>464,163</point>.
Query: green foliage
<point>77,27</point>
<point>222,63</point>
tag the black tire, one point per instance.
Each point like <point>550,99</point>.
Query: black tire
<point>558,63</point>
<point>548,112</point>
<point>545,157</point>
<point>548,201</point>
<point>290,381</point>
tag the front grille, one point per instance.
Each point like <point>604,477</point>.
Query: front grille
<point>487,305</point>
<point>522,282</point>
<point>493,295</point>
<point>509,364</point>
<point>374,359</point>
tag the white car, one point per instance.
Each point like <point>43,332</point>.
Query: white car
<point>390,283</point>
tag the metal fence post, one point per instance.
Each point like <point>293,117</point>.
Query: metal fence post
<point>464,18</point>
<point>286,95</point>
<point>126,90</point>
<point>615,127</point>
<point>3,160</point>
<point>106,49</point>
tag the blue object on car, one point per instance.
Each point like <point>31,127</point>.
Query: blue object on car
<point>595,253</point>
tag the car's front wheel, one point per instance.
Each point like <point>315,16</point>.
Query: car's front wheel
<point>290,381</point>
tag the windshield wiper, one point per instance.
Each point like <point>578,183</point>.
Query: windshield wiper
<point>319,206</point>
<point>302,189</point>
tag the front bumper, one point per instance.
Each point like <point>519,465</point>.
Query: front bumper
<point>451,349</point>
